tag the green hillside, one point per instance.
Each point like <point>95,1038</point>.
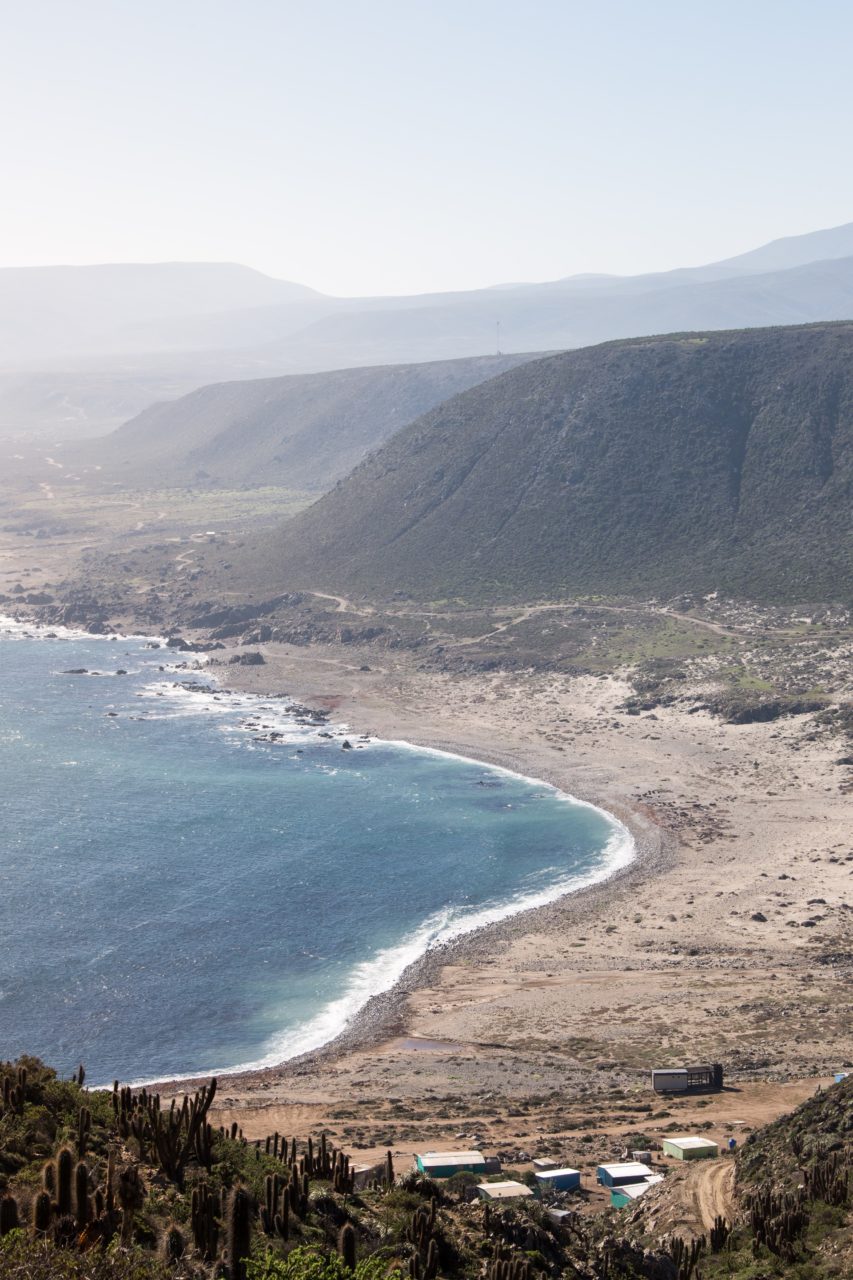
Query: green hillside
<point>700,462</point>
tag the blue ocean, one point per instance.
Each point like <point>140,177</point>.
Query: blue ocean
<point>180,895</point>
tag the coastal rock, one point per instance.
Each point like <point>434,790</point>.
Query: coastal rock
<point>247,660</point>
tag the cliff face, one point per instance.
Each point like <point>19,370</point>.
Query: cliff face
<point>688,462</point>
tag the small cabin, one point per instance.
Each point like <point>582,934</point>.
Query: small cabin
<point>503,1191</point>
<point>683,1079</point>
<point>622,1196</point>
<point>622,1175</point>
<point>443,1164</point>
<point>690,1148</point>
<point>558,1179</point>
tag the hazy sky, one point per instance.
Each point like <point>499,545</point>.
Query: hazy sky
<point>399,146</point>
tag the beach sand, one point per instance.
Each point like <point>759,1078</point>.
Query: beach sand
<point>730,938</point>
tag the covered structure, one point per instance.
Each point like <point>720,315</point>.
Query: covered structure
<point>622,1196</point>
<point>689,1148</point>
<point>622,1175</point>
<point>681,1079</point>
<point>558,1179</point>
<point>503,1191</point>
<point>443,1164</point>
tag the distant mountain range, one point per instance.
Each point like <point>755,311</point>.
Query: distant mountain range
<point>101,337</point>
<point>697,462</point>
<point>301,432</point>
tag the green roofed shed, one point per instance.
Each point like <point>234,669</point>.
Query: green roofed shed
<point>443,1164</point>
<point>690,1148</point>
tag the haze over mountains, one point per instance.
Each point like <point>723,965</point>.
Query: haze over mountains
<point>305,431</point>
<point>721,461</point>
<point>83,347</point>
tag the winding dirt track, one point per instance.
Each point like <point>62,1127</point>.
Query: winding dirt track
<point>710,1187</point>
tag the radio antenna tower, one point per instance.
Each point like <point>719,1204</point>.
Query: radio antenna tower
<point>498,335</point>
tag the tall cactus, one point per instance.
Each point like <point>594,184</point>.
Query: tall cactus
<point>347,1245</point>
<point>9,1219</point>
<point>84,1128</point>
<point>239,1232</point>
<point>42,1213</point>
<point>64,1181</point>
<point>82,1206</point>
<point>174,1244</point>
<point>131,1195</point>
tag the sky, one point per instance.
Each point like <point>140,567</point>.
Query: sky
<point>405,146</point>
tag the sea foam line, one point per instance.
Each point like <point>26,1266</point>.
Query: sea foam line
<point>377,976</point>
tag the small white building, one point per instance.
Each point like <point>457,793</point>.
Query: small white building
<point>503,1191</point>
<point>620,1175</point>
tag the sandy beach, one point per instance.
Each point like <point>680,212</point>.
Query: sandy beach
<point>730,937</point>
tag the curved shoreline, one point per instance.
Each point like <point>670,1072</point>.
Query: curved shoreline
<point>380,1018</point>
<point>381,1011</point>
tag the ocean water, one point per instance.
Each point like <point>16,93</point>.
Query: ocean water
<point>179,897</point>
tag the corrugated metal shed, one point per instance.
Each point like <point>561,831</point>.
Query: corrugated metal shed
<point>558,1179</point>
<point>620,1196</point>
<point>443,1164</point>
<point>503,1191</point>
<point>689,1148</point>
<point>620,1175</point>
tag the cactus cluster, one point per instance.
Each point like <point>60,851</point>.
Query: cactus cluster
<point>14,1092</point>
<point>423,1264</point>
<point>828,1179</point>
<point>686,1256</point>
<point>506,1265</point>
<point>206,1216</point>
<point>719,1234</point>
<point>778,1219</point>
<point>64,1209</point>
<point>275,1210</point>
<point>171,1137</point>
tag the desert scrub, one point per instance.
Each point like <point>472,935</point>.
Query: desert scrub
<point>309,1264</point>
<point>24,1259</point>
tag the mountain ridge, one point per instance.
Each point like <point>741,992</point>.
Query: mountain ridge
<point>303,431</point>
<point>688,462</point>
